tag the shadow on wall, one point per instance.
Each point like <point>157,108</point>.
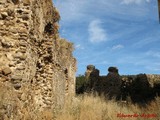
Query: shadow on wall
<point>135,87</point>
<point>138,89</point>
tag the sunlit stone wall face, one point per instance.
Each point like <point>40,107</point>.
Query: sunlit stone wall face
<point>34,60</point>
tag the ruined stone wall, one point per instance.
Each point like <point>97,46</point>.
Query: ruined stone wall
<point>33,58</point>
<point>141,87</point>
<point>153,79</point>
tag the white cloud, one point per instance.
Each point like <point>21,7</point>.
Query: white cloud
<point>153,54</point>
<point>79,47</point>
<point>96,32</point>
<point>71,10</point>
<point>83,10</point>
<point>146,41</point>
<point>134,1</point>
<point>117,47</point>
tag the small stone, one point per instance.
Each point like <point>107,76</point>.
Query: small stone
<point>13,30</point>
<point>25,17</point>
<point>4,14</point>
<point>23,30</point>
<point>15,1</point>
<point>26,2</point>
<point>23,97</point>
<point>23,44</point>
<point>47,102</point>
<point>1,16</point>
<point>21,50</point>
<point>3,1</point>
<point>23,57</point>
<point>16,77</point>
<point>11,65</point>
<point>3,79</point>
<point>1,23</point>
<point>20,56</point>
<point>7,43</point>
<point>20,68</point>
<point>6,71</point>
<point>0,71</point>
<point>17,86</point>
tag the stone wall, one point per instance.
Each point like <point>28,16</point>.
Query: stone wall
<point>153,79</point>
<point>108,85</point>
<point>141,87</point>
<point>33,58</point>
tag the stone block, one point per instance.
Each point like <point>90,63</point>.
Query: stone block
<point>6,71</point>
<point>4,15</point>
<point>16,77</point>
<point>20,56</point>
<point>0,71</point>
<point>26,2</point>
<point>3,1</point>
<point>17,86</point>
<point>23,97</point>
<point>20,68</point>
<point>3,79</point>
<point>1,16</point>
<point>15,1</point>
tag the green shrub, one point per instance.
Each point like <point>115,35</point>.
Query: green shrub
<point>81,84</point>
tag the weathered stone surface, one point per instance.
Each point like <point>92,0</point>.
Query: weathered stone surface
<point>9,102</point>
<point>16,77</point>
<point>41,64</point>
<point>26,2</point>
<point>4,14</point>
<point>15,1</point>
<point>6,71</point>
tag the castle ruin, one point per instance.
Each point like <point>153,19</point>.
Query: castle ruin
<point>36,65</point>
<point>141,88</point>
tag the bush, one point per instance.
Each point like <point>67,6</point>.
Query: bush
<point>81,84</point>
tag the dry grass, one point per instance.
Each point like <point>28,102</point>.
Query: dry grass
<point>90,107</point>
<point>84,107</point>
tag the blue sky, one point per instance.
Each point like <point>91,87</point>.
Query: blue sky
<point>121,33</point>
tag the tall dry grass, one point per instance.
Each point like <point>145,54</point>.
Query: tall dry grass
<point>91,107</point>
<point>84,107</point>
